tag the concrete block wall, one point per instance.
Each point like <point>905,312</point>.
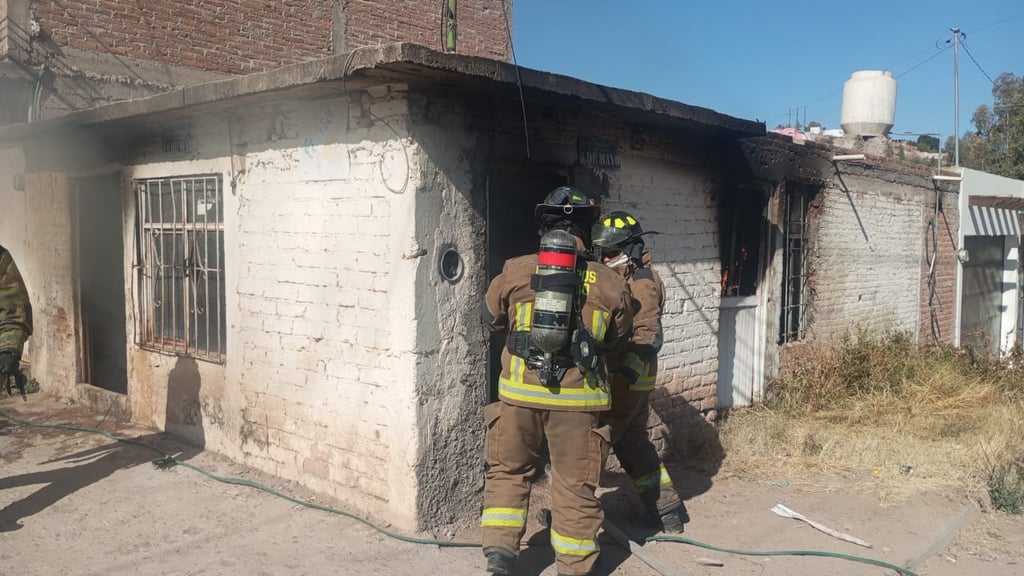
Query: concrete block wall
<point>866,258</point>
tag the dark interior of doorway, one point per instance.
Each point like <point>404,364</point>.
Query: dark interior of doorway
<point>99,264</point>
<point>744,226</point>
<point>512,194</point>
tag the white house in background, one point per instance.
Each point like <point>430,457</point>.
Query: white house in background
<point>989,287</point>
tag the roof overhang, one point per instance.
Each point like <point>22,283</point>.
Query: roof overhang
<point>395,63</point>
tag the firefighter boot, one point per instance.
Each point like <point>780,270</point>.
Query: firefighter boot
<point>499,561</point>
<point>671,521</point>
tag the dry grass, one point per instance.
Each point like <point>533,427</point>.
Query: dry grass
<point>888,419</point>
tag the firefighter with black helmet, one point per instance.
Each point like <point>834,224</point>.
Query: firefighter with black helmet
<point>619,239</point>
<point>15,319</point>
<point>567,319</point>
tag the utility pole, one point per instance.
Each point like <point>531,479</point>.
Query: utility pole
<point>956,95</point>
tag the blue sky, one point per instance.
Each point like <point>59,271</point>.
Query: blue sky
<point>758,59</point>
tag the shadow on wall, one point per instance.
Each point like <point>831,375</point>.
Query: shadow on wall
<point>184,415</point>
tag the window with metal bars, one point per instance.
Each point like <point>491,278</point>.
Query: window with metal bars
<point>795,268</point>
<point>180,254</point>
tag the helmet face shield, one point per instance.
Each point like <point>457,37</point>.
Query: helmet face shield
<point>567,203</point>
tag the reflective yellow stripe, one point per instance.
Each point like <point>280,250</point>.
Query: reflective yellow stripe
<point>516,368</point>
<point>599,325</point>
<point>524,316</point>
<point>635,363</point>
<point>643,385</point>
<point>543,395</point>
<point>636,370</point>
<point>504,517</point>
<point>573,546</point>
<point>652,480</point>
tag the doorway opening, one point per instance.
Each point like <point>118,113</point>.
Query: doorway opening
<point>98,220</point>
<point>512,194</point>
<point>981,314</point>
<point>744,232</point>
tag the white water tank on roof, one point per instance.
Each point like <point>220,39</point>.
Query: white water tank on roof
<point>869,103</point>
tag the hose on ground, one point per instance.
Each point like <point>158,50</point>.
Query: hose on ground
<point>166,461</point>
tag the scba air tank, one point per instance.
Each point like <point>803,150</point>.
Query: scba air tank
<point>556,284</point>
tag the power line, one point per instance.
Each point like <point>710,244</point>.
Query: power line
<point>922,63</point>
<point>976,64</point>
<point>998,22</point>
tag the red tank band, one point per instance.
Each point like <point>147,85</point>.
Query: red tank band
<point>560,259</point>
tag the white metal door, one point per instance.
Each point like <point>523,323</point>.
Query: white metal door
<point>740,358</point>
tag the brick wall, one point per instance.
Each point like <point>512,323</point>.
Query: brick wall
<point>320,366</point>
<point>325,297</point>
<point>237,36</point>
<point>866,258</point>
<point>481,25</point>
<point>242,36</point>
<point>677,202</point>
<point>938,309</point>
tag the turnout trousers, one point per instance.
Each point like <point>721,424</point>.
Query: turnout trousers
<point>633,447</point>
<point>578,446</point>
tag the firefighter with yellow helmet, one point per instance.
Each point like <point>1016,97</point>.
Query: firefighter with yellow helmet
<point>15,318</point>
<point>567,320</point>
<point>619,239</point>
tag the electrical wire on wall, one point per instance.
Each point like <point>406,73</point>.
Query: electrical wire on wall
<point>519,79</point>
<point>37,92</point>
<point>401,139</point>
<point>931,246</point>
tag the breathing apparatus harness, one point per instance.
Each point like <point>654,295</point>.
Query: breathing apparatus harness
<point>558,338</point>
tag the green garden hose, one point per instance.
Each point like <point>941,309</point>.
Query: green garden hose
<point>165,461</point>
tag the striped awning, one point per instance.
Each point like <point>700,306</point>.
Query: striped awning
<point>989,221</point>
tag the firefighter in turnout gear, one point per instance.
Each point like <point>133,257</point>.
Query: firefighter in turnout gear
<point>618,237</point>
<point>15,320</point>
<point>567,320</point>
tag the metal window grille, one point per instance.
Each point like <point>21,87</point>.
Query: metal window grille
<point>795,269</point>
<point>180,253</point>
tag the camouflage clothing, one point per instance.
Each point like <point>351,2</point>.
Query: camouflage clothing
<point>15,309</point>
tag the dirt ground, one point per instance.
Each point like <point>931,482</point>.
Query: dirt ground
<point>75,503</point>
